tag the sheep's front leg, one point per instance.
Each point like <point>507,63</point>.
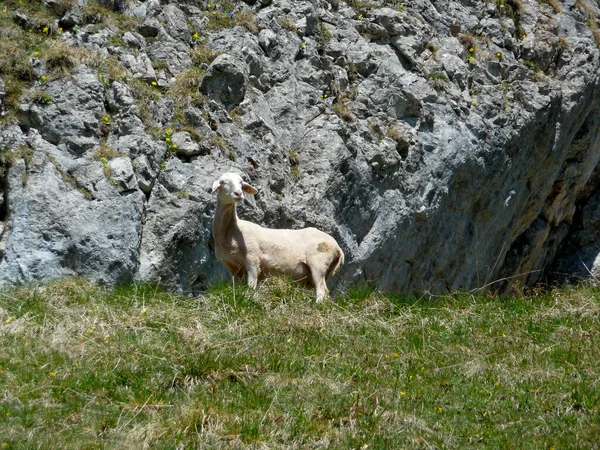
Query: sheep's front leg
<point>252,274</point>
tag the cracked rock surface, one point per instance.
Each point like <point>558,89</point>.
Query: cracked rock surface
<point>445,145</point>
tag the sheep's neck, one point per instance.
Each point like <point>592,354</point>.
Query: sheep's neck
<point>225,223</point>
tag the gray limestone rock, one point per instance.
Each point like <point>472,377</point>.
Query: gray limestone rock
<point>435,167</point>
<point>55,231</point>
<point>225,81</point>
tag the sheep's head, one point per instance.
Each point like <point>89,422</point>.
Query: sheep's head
<point>231,188</point>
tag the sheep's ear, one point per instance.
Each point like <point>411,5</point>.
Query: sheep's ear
<point>248,189</point>
<point>216,185</point>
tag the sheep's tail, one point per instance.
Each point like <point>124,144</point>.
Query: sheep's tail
<point>336,264</point>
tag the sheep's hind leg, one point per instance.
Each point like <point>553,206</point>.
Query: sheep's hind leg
<point>320,285</point>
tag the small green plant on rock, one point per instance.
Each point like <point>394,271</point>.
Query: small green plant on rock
<point>224,146</point>
<point>470,45</point>
<point>105,125</point>
<point>287,24</point>
<point>437,80</point>
<point>42,97</point>
<point>324,35</point>
<point>294,160</point>
<point>105,152</point>
<point>226,15</point>
<point>168,137</point>
<point>342,110</point>
<point>202,54</point>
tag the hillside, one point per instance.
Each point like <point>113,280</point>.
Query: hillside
<point>445,145</point>
<point>135,367</point>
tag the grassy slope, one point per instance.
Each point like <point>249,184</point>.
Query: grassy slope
<point>87,367</point>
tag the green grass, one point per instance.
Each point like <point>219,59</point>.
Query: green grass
<point>134,367</point>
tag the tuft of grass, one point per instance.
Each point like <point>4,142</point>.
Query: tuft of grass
<point>202,54</point>
<point>342,110</point>
<point>225,147</point>
<point>105,152</point>
<point>554,4</point>
<point>294,160</point>
<point>437,80</point>
<point>134,366</point>
<point>185,89</point>
<point>287,24</point>
<point>60,57</point>
<point>228,16</point>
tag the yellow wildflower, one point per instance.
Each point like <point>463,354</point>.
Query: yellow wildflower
<point>45,30</point>
<point>52,374</point>
<point>154,83</point>
<point>168,139</point>
<point>402,393</point>
<point>497,383</point>
<point>9,320</point>
<point>4,11</point>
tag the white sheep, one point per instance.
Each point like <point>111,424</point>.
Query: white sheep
<point>246,248</point>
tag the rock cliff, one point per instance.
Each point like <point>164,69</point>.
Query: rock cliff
<point>445,144</point>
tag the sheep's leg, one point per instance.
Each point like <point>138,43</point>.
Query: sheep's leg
<point>320,285</point>
<point>252,274</point>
